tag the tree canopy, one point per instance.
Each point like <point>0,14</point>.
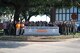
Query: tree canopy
<point>33,7</point>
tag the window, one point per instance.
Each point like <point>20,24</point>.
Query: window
<point>71,10</point>
<point>70,16</point>
<point>57,17</point>
<point>78,17</point>
<point>64,18</point>
<point>75,9</point>
<point>67,17</point>
<point>67,10</point>
<point>78,10</point>
<point>60,17</point>
<point>60,10</point>
<point>64,14</point>
<point>64,10</point>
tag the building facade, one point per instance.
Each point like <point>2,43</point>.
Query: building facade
<point>64,14</point>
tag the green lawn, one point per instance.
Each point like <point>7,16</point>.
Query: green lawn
<point>38,38</point>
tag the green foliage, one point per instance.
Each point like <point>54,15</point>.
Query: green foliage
<point>38,6</point>
<point>41,6</point>
<point>6,10</point>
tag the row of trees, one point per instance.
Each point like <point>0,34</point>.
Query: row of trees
<point>34,7</point>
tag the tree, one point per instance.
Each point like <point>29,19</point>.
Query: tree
<point>38,6</point>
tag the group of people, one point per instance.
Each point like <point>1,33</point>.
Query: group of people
<point>8,28</point>
<point>66,28</point>
<point>17,28</point>
<point>38,23</point>
<point>11,28</point>
<point>20,28</point>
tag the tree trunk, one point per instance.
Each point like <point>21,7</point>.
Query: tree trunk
<point>16,15</point>
<point>28,18</point>
<point>52,14</point>
<point>24,14</point>
<point>16,18</point>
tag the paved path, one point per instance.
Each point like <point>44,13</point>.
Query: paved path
<point>69,46</point>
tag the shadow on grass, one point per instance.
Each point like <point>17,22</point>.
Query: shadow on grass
<point>9,44</point>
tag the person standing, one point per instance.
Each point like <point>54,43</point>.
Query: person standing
<point>18,28</point>
<point>21,28</point>
<point>5,28</point>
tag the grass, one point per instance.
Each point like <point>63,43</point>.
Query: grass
<point>39,38</point>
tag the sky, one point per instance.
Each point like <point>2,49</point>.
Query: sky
<point>40,18</point>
